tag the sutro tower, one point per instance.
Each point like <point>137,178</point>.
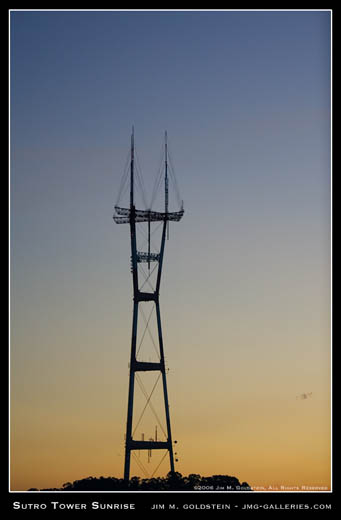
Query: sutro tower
<point>133,216</point>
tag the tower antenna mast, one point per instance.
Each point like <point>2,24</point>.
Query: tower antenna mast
<point>166,182</point>
<point>132,169</point>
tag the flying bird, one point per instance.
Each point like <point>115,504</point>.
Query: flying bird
<point>304,395</point>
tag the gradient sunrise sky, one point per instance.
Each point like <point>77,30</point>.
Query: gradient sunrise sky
<point>245,295</point>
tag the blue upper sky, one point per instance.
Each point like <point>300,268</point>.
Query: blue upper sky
<point>82,75</point>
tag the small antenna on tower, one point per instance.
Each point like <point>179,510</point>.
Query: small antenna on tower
<point>132,169</point>
<point>166,183</point>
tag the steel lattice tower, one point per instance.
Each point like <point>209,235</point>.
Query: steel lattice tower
<point>132,216</point>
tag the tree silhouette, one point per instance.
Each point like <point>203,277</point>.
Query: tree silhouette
<point>174,481</point>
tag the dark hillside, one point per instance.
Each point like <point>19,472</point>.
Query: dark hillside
<point>172,482</point>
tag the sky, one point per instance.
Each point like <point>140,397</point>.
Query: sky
<point>245,294</point>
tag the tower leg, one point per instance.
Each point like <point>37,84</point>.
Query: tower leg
<point>131,394</point>
<point>165,393</point>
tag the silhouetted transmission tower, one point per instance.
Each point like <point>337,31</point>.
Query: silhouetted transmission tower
<point>133,216</point>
